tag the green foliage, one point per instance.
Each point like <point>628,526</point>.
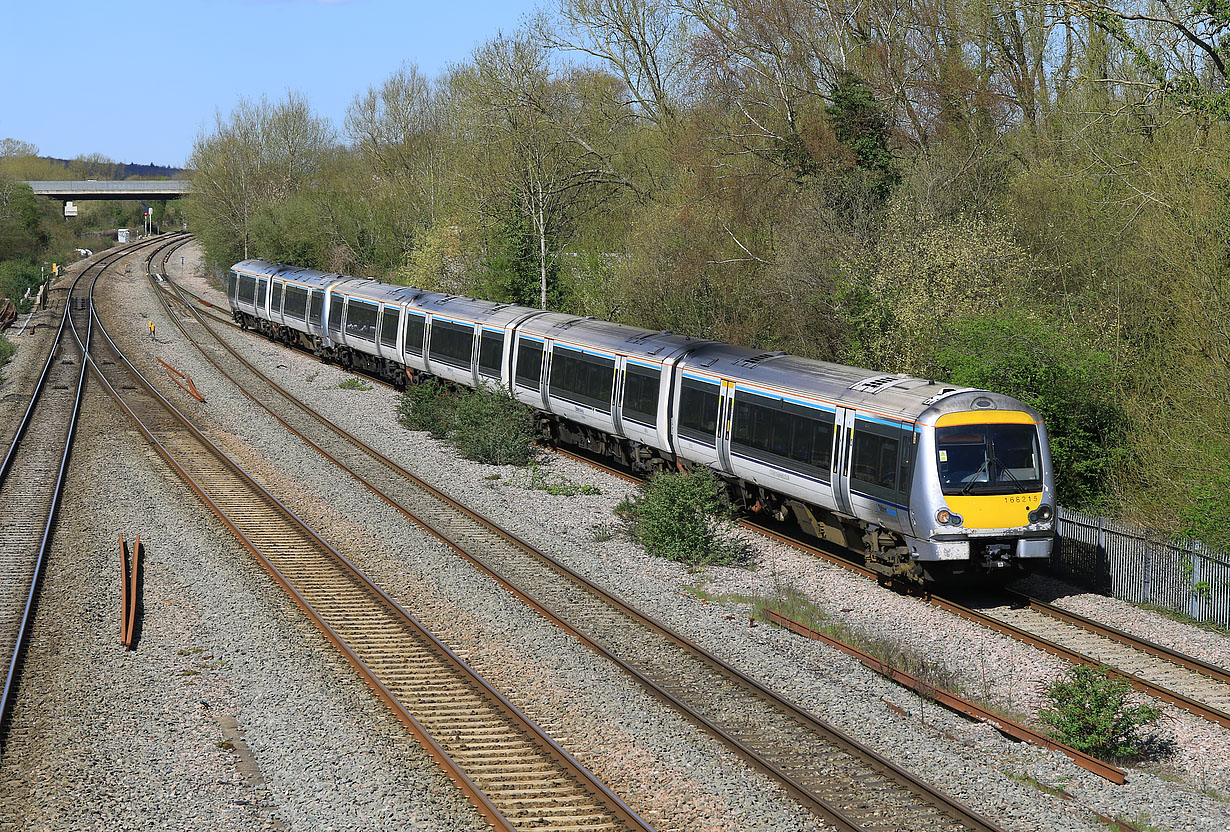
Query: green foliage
<point>428,406</point>
<point>488,426</point>
<point>492,427</point>
<point>1090,712</point>
<point>1032,357</point>
<point>16,276</point>
<point>860,123</point>
<point>552,482</point>
<point>354,384</point>
<point>6,352</point>
<point>683,516</point>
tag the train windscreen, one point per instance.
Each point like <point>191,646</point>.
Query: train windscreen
<point>989,459</point>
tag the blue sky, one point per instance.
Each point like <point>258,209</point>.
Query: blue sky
<point>163,69</point>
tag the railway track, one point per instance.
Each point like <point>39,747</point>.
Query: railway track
<point>33,470</point>
<point>843,782</point>
<point>514,774</point>
<point>1169,675</point>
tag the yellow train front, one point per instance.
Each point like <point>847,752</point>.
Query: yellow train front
<point>983,490</point>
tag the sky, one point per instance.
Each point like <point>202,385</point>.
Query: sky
<point>137,82</point>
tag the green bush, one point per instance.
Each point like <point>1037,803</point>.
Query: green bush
<point>491,426</point>
<point>488,426</point>
<point>428,406</point>
<point>683,517</point>
<point>1090,713</point>
<point>6,352</point>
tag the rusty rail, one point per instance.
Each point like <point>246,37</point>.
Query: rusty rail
<point>183,380</point>
<point>953,702</point>
<point>130,571</point>
<point>8,314</point>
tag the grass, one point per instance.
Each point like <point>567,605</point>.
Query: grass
<point>538,479</point>
<point>1038,784</point>
<point>700,590</point>
<point>225,745</point>
<point>1183,618</point>
<point>354,384</point>
<point>1122,824</point>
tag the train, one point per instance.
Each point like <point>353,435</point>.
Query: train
<point>929,482</point>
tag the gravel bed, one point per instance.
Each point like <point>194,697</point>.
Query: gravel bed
<point>654,759</point>
<point>107,739</point>
<point>970,761</point>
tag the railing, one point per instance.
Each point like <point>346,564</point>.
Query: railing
<point>1133,565</point>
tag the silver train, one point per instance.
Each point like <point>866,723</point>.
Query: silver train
<point>926,480</point>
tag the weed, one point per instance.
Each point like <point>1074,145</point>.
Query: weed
<point>1209,791</point>
<point>553,483</point>
<point>684,517</point>
<point>188,673</point>
<point>603,533</point>
<point>1037,784</point>
<point>1121,824</point>
<point>700,590</point>
<point>1090,713</point>
<point>312,376</point>
<point>494,476</point>
<point>225,745</point>
<point>354,384</point>
<point>1183,618</point>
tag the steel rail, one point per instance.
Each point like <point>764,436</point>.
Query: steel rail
<point>922,790</point>
<point>29,606</point>
<point>617,813</point>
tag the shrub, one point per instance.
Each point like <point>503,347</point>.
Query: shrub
<point>6,352</point>
<point>427,406</point>
<point>683,517</point>
<point>1090,713</point>
<point>491,426</point>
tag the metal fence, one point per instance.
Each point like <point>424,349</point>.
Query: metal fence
<point>1131,564</point>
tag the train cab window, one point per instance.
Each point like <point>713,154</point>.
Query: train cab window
<point>490,353</point>
<point>782,433</point>
<point>361,319</point>
<point>296,302</point>
<point>388,326</point>
<point>247,289</point>
<point>232,285</point>
<point>452,343</point>
<point>876,469</point>
<point>415,324</point>
<point>529,363</point>
<point>275,298</point>
<point>318,307</point>
<point>335,313</point>
<point>698,409</point>
<point>582,378</point>
<point>641,386</point>
<point>261,286</point>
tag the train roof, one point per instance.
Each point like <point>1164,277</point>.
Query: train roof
<point>308,277</point>
<point>897,396</point>
<point>647,344</point>
<point>488,312</point>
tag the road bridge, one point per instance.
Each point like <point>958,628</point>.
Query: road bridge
<point>70,191</point>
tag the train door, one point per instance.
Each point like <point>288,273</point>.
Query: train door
<point>843,449</point>
<point>726,410</point>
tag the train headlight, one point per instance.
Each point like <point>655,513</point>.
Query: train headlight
<point>947,518</point>
<point>1041,514</point>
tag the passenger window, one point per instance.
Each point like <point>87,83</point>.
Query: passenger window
<point>232,285</point>
<point>781,433</point>
<point>275,299</point>
<point>318,307</point>
<point>296,302</point>
<point>388,326</point>
<point>415,324</point>
<point>247,289</point>
<point>698,409</point>
<point>529,363</point>
<point>335,313</point>
<point>875,467</point>
<point>641,386</point>
<point>582,378</point>
<point>261,286</point>
<point>452,343</point>
<point>490,353</point>
<point>361,319</point>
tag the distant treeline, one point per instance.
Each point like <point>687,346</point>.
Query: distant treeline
<point>1033,198</point>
